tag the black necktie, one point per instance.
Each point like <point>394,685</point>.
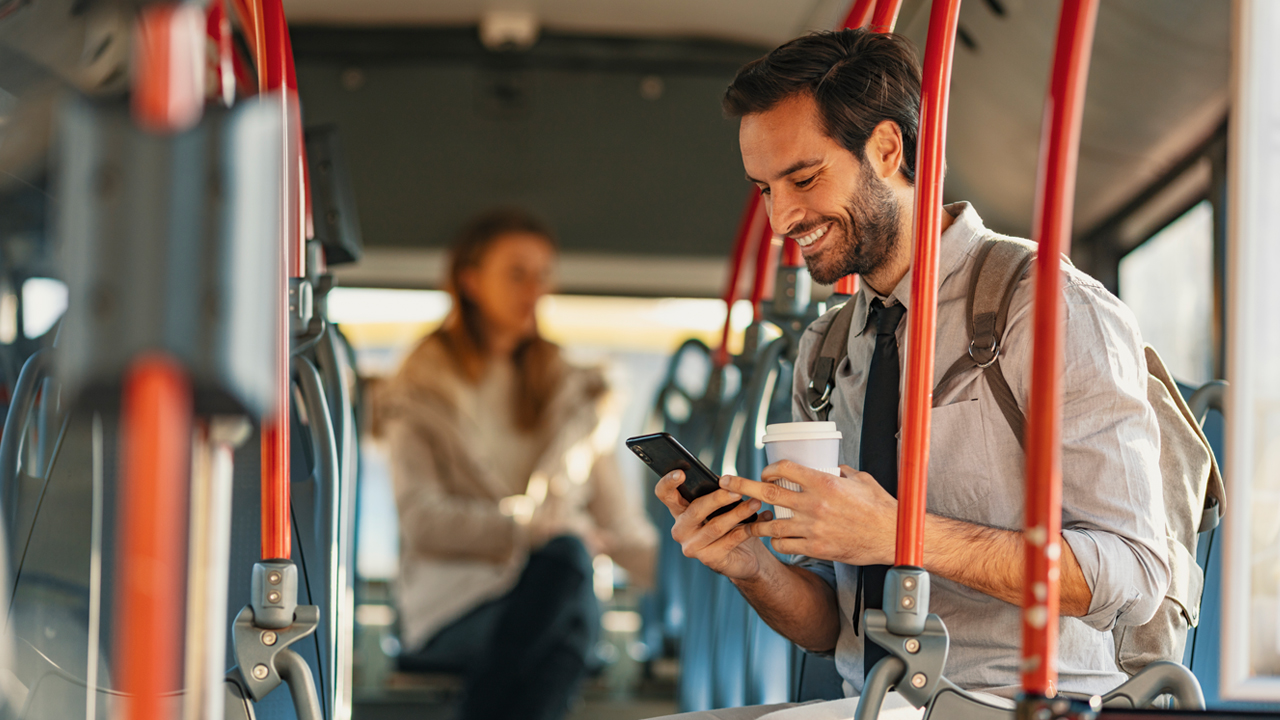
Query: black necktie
<point>880,443</point>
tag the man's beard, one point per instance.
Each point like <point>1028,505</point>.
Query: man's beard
<point>869,234</point>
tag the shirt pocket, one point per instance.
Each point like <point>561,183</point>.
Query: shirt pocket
<point>960,466</point>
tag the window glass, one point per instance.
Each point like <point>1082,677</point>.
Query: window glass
<point>1168,282</point>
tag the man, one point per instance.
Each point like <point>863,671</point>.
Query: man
<point>828,133</point>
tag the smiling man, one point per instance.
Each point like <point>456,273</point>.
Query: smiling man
<point>828,134</point>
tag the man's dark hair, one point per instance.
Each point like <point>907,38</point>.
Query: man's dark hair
<point>857,78</point>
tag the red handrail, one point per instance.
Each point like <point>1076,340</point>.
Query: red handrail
<point>747,229</point>
<point>766,257</point>
<point>155,442</point>
<point>859,14</point>
<point>276,74</point>
<point>792,256</point>
<point>1055,199</point>
<point>885,16</point>
<point>168,82</point>
<point>922,320</point>
<point>218,28</point>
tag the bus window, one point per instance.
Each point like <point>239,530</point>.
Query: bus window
<point>1168,283</point>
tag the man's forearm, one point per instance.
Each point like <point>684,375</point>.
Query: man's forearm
<point>800,605</point>
<point>991,561</point>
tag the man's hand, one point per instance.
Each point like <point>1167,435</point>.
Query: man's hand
<point>849,519</point>
<point>721,543</point>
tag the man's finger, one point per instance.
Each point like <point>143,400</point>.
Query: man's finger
<point>766,491</point>
<point>702,507</point>
<point>722,524</point>
<point>790,546</point>
<point>795,472</point>
<point>784,528</point>
<point>668,492</point>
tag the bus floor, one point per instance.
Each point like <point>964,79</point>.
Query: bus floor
<point>601,699</point>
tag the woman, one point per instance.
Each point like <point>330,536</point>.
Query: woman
<point>506,484</point>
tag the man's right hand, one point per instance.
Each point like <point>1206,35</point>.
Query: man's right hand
<point>722,543</point>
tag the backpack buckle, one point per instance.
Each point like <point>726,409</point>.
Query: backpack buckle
<point>984,357</point>
<point>824,402</point>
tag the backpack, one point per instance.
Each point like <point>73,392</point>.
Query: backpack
<point>1192,485</point>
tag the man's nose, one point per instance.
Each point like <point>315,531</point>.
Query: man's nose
<point>784,212</point>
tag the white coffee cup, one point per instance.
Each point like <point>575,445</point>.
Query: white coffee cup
<point>812,444</point>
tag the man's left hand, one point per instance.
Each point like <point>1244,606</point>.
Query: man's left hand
<point>848,519</point>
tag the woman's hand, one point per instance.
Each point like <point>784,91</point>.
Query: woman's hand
<point>547,524</point>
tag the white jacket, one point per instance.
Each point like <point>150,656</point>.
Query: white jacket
<point>461,542</point>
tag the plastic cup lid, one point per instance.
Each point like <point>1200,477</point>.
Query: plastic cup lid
<point>779,432</point>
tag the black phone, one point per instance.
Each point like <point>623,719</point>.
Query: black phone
<point>663,453</point>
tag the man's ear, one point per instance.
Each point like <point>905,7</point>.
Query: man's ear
<point>884,149</point>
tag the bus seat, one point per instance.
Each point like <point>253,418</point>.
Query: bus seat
<point>694,687</point>
<point>768,663</point>
<point>814,677</point>
<point>729,650</point>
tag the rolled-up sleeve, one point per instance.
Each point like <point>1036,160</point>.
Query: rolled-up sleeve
<point>1112,498</point>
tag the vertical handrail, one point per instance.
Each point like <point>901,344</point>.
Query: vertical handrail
<point>218,28</point>
<point>885,16</point>
<point>276,75</point>
<point>1055,199</point>
<point>922,320</point>
<point>859,14</point>
<point>766,256</point>
<point>156,411</point>
<point>752,215</point>
<point>155,419</point>
<point>169,57</point>
<point>792,256</point>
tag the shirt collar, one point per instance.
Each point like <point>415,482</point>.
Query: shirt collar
<point>954,245</point>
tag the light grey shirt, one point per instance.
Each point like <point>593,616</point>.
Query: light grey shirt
<point>1112,506</point>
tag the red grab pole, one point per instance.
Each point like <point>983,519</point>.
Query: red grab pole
<point>886,16</point>
<point>859,14</point>
<point>792,256</point>
<point>748,228</point>
<point>218,27</point>
<point>766,257</point>
<point>168,81</point>
<point>922,320</point>
<point>276,76</point>
<point>155,445</point>
<point>1055,200</point>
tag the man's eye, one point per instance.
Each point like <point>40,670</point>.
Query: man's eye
<point>764,191</point>
<point>804,183</point>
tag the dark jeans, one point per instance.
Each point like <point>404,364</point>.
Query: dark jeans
<point>524,654</point>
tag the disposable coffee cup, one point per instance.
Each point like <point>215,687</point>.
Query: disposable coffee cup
<point>812,444</point>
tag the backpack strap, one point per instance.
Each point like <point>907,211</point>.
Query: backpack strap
<point>999,265</point>
<point>822,371</point>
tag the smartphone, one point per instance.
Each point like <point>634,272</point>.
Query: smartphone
<point>663,453</point>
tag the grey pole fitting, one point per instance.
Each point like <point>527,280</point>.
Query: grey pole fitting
<point>922,656</point>
<point>300,305</point>
<point>886,673</point>
<point>1039,707</point>
<point>273,593</point>
<point>792,291</point>
<point>1154,680</point>
<point>264,660</point>
<point>906,599</point>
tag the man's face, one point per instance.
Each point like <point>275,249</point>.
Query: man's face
<point>843,215</point>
